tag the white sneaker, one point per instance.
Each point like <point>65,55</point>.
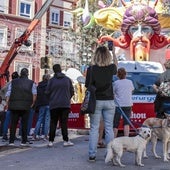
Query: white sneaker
<point>68,143</point>
<point>11,144</point>
<point>50,144</point>
<point>24,144</point>
<point>37,137</point>
<point>42,136</point>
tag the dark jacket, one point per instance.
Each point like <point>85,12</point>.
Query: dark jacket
<point>42,99</point>
<point>59,91</point>
<point>102,80</point>
<point>21,96</point>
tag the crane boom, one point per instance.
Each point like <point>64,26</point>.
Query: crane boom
<point>18,42</point>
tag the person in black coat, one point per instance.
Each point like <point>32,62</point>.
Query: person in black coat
<point>59,91</point>
<point>42,104</point>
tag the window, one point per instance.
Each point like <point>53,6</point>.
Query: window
<point>67,21</point>
<point>3,37</point>
<point>26,8</point>
<point>4,6</point>
<point>55,44</point>
<point>20,65</point>
<point>52,45</point>
<point>143,82</point>
<point>54,16</point>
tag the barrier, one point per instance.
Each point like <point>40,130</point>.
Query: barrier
<point>76,120</point>
<point>140,112</point>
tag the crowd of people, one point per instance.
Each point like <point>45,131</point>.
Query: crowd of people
<point>51,99</point>
<point>22,98</point>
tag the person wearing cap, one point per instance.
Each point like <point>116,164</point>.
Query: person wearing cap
<point>21,97</point>
<point>8,112</point>
<point>59,91</point>
<point>160,100</point>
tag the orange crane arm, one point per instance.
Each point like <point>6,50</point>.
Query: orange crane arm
<point>23,39</point>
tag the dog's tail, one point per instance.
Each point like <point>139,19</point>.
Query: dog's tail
<point>109,154</point>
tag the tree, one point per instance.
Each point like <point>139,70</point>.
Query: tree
<point>86,37</point>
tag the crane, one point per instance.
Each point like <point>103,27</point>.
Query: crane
<point>18,42</point>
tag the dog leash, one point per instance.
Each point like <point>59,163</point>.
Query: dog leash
<point>124,115</point>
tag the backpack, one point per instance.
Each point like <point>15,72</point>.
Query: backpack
<point>164,88</point>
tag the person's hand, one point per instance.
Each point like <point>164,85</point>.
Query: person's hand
<point>155,87</point>
<point>113,49</point>
<point>6,107</point>
<point>160,93</point>
<point>114,56</point>
<point>32,105</point>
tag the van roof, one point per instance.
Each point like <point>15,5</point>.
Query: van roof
<point>141,66</point>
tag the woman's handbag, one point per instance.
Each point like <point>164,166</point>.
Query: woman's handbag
<point>89,103</point>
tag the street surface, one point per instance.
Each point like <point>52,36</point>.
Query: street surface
<point>40,157</point>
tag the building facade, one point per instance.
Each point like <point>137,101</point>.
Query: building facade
<point>60,44</point>
<point>49,38</point>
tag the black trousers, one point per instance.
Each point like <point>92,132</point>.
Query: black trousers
<point>2,119</point>
<point>15,115</point>
<point>61,115</point>
<point>161,106</point>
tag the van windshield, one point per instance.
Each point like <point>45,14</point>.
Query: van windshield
<point>142,82</point>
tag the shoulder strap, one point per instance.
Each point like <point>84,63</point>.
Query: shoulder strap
<point>91,69</point>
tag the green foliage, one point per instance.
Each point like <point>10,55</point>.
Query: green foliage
<point>86,38</point>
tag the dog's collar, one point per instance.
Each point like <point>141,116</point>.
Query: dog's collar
<point>141,136</point>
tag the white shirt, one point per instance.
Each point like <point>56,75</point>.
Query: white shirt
<point>2,106</point>
<point>122,90</point>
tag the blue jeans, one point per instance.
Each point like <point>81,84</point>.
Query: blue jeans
<point>105,108</point>
<point>43,118</point>
<point>30,119</point>
<point>6,122</point>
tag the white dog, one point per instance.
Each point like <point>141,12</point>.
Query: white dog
<point>135,144</point>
